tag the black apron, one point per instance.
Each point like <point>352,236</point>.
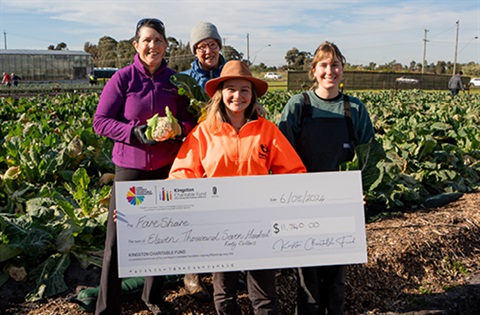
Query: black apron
<point>325,143</point>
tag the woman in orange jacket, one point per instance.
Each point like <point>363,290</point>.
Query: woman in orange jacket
<point>234,140</point>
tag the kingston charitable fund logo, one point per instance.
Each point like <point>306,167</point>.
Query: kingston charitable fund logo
<point>182,193</point>
<point>136,195</point>
<point>166,195</point>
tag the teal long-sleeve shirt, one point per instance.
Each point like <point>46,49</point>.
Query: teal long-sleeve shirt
<point>290,119</point>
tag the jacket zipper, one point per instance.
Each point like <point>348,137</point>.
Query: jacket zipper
<point>149,156</point>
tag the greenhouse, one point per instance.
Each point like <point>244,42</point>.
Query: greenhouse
<point>46,65</point>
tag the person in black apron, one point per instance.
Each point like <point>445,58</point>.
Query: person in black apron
<point>324,126</point>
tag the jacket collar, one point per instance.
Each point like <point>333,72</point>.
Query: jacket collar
<point>137,63</point>
<point>197,67</point>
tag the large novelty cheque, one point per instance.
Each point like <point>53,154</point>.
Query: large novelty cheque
<point>240,223</point>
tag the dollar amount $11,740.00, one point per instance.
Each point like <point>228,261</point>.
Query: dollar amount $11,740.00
<point>302,226</point>
<point>277,227</point>
<point>314,225</point>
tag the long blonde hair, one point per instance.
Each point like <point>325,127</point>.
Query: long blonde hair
<point>217,113</point>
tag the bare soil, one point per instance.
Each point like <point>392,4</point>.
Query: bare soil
<point>422,262</point>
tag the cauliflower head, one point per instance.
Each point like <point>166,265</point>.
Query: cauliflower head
<point>163,128</point>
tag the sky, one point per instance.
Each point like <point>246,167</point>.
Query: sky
<point>365,31</point>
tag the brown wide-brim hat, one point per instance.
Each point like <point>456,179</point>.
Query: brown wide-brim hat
<point>235,69</point>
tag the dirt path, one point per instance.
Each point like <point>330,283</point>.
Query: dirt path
<point>423,262</point>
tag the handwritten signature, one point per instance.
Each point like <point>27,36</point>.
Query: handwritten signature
<point>312,243</point>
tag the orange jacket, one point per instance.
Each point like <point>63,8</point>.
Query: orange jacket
<point>259,148</point>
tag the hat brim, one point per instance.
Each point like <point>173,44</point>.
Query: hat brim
<point>259,85</point>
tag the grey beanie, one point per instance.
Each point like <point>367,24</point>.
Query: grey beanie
<point>201,31</point>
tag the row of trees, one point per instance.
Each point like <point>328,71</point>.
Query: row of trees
<point>110,53</point>
<point>441,67</point>
<point>300,60</point>
<point>117,54</point>
<point>59,46</point>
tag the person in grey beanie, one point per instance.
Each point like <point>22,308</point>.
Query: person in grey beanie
<point>205,44</point>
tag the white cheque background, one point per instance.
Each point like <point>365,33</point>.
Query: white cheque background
<point>240,223</point>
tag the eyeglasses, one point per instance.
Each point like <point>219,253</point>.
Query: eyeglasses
<point>212,45</point>
<point>153,22</point>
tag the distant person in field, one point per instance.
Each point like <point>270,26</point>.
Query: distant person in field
<point>205,44</point>
<point>7,79</point>
<point>324,126</point>
<point>92,79</point>
<point>455,84</point>
<point>15,79</point>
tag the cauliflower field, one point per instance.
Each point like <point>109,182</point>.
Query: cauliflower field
<point>55,172</point>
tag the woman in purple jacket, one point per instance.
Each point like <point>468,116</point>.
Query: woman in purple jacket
<point>133,95</point>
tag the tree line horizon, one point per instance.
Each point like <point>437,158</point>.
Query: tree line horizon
<point>110,53</point>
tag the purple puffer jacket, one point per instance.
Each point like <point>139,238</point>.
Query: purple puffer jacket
<point>128,99</point>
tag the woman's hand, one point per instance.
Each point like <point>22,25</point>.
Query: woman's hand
<point>139,133</point>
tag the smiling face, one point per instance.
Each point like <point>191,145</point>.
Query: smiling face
<point>237,96</point>
<point>328,74</point>
<point>151,47</point>
<point>207,52</point>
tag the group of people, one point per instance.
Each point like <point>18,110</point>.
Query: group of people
<point>233,140</point>
<point>9,80</point>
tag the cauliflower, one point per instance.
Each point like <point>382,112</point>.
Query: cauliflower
<point>163,128</point>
